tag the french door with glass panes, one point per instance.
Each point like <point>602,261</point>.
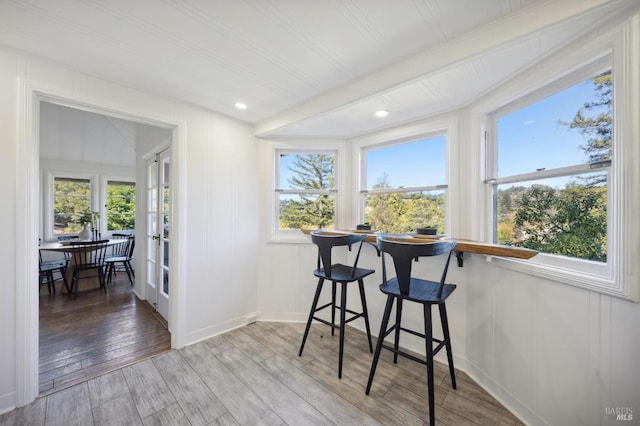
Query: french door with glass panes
<point>158,235</point>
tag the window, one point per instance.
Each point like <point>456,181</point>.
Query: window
<point>73,197</point>
<point>305,193</point>
<point>551,175</point>
<point>121,205</point>
<point>404,185</point>
<point>71,204</point>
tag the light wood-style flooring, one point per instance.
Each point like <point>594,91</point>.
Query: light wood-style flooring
<point>254,376</point>
<point>95,333</point>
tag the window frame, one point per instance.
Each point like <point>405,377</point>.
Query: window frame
<point>621,277</point>
<point>445,125</point>
<point>48,213</point>
<point>103,201</point>
<point>363,192</point>
<point>295,235</point>
<point>98,188</point>
<point>597,269</point>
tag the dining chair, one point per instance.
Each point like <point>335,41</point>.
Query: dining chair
<point>337,273</point>
<point>88,256</point>
<point>405,287</point>
<point>121,255</point>
<point>47,269</point>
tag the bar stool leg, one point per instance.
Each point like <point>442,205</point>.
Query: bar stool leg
<point>445,331</point>
<point>396,342</point>
<point>365,313</point>
<point>381,336</point>
<point>343,308</point>
<point>428,336</point>
<point>333,307</point>
<point>313,310</point>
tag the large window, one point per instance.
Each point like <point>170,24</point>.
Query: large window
<point>73,198</point>
<point>404,185</point>
<point>305,189</point>
<point>551,172</point>
<point>71,204</point>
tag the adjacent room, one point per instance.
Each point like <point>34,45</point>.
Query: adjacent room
<point>88,186</point>
<point>320,212</point>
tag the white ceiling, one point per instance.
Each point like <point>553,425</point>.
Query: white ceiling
<point>305,67</point>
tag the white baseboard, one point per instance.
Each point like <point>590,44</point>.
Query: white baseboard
<point>7,402</point>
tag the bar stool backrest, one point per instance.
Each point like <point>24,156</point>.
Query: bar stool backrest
<point>403,254</point>
<point>326,240</point>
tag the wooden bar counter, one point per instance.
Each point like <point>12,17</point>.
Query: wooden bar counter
<point>463,246</point>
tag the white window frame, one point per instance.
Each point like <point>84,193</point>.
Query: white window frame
<point>103,203</point>
<point>295,235</point>
<point>49,177</point>
<point>402,190</point>
<point>620,277</point>
<point>584,74</point>
<point>446,126</point>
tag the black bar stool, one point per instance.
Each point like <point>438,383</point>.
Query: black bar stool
<point>427,293</point>
<point>342,274</point>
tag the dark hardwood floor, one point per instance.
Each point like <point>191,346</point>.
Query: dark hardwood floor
<point>95,333</point>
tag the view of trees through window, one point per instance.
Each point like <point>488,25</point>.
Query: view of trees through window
<point>565,214</point>
<point>121,206</point>
<point>406,185</point>
<point>72,205</point>
<point>305,188</point>
<point>401,212</point>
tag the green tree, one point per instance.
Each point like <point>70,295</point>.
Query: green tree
<point>121,206</point>
<point>71,204</point>
<point>310,172</point>
<point>399,212</point>
<point>596,129</point>
<point>570,221</point>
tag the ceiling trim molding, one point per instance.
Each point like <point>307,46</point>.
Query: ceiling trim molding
<point>521,24</point>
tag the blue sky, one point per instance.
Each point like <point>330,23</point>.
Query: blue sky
<point>419,163</point>
<point>533,138</point>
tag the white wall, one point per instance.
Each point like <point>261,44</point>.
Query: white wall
<point>73,135</point>
<point>8,171</point>
<point>216,227</point>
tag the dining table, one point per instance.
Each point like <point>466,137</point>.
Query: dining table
<point>463,245</point>
<point>86,281</point>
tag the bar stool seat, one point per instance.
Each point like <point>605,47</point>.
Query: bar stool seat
<point>404,287</point>
<point>337,273</point>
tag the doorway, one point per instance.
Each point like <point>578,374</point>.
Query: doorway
<point>100,151</point>
<point>27,227</point>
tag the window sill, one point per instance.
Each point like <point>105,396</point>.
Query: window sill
<point>288,237</point>
<point>288,240</point>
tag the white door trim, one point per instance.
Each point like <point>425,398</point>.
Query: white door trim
<point>27,204</point>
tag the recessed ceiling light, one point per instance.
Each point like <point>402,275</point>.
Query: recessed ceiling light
<point>382,113</point>
<point>241,105</point>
